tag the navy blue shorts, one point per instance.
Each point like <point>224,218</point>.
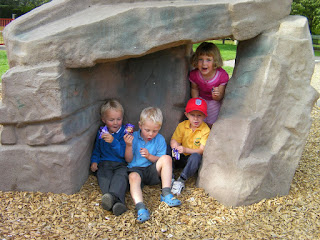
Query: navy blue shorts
<point>149,175</point>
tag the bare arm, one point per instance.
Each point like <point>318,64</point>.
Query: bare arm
<point>128,155</point>
<point>194,90</point>
<point>186,150</point>
<point>190,150</point>
<point>174,143</point>
<point>218,92</point>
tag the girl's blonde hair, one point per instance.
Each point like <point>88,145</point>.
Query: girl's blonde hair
<point>111,105</point>
<point>208,49</point>
<point>151,113</point>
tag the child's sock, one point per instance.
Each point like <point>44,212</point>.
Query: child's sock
<point>140,205</point>
<point>166,191</point>
<point>181,179</point>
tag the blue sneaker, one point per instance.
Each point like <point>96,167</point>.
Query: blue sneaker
<point>170,200</point>
<point>143,215</point>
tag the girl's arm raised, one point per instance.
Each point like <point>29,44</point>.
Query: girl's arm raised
<point>194,90</point>
<point>218,92</point>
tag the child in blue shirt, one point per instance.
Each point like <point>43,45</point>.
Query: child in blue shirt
<point>108,161</point>
<point>148,163</point>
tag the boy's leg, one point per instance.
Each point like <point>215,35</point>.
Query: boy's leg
<point>119,182</point>
<point>164,169</point>
<point>169,153</point>
<point>118,188</point>
<point>136,194</point>
<point>104,176</point>
<point>192,166</point>
<point>135,187</point>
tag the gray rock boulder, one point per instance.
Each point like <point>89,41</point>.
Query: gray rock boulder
<point>256,144</point>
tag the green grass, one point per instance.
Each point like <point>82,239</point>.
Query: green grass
<point>317,53</point>
<point>227,50</point>
<point>4,66</point>
<point>229,70</point>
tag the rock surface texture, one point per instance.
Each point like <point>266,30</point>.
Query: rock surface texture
<point>67,57</point>
<point>257,143</point>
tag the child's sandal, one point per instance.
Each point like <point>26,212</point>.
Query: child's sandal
<point>143,215</point>
<point>170,200</point>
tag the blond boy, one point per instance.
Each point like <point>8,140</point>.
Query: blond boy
<point>108,161</point>
<point>148,163</point>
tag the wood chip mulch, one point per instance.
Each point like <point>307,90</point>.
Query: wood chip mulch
<point>35,215</point>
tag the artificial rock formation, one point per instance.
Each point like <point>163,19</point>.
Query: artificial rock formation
<point>257,143</point>
<point>67,57</point>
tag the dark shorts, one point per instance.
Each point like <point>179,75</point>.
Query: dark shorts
<point>149,175</point>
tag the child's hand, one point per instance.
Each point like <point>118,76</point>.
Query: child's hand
<point>174,145</point>
<point>215,91</point>
<point>94,167</point>
<point>180,149</point>
<point>107,137</point>
<point>128,139</point>
<point>144,153</point>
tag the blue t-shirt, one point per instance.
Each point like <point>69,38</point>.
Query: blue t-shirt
<point>157,147</point>
<point>114,151</point>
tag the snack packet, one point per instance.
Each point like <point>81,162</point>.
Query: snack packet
<point>103,130</point>
<point>175,154</point>
<point>129,129</point>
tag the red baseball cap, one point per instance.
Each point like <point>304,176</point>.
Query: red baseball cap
<point>197,104</point>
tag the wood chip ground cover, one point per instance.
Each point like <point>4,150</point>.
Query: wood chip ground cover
<point>35,215</point>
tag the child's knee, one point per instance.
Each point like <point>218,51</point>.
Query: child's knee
<point>134,177</point>
<point>195,157</point>
<point>166,159</point>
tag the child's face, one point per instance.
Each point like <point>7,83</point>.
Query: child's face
<point>206,66</point>
<point>196,118</point>
<point>113,119</point>
<point>149,130</point>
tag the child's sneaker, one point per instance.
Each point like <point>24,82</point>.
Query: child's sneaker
<point>119,208</point>
<point>107,201</point>
<point>170,200</point>
<point>143,215</point>
<point>177,187</point>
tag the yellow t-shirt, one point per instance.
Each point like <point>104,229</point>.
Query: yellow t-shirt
<point>187,138</point>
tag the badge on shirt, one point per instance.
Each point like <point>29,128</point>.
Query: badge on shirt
<point>197,142</point>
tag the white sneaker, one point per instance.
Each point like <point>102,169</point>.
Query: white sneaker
<point>177,187</point>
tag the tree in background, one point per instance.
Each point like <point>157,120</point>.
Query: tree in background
<point>311,10</point>
<point>18,7</point>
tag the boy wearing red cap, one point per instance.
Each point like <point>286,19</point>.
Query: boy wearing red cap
<point>189,140</point>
